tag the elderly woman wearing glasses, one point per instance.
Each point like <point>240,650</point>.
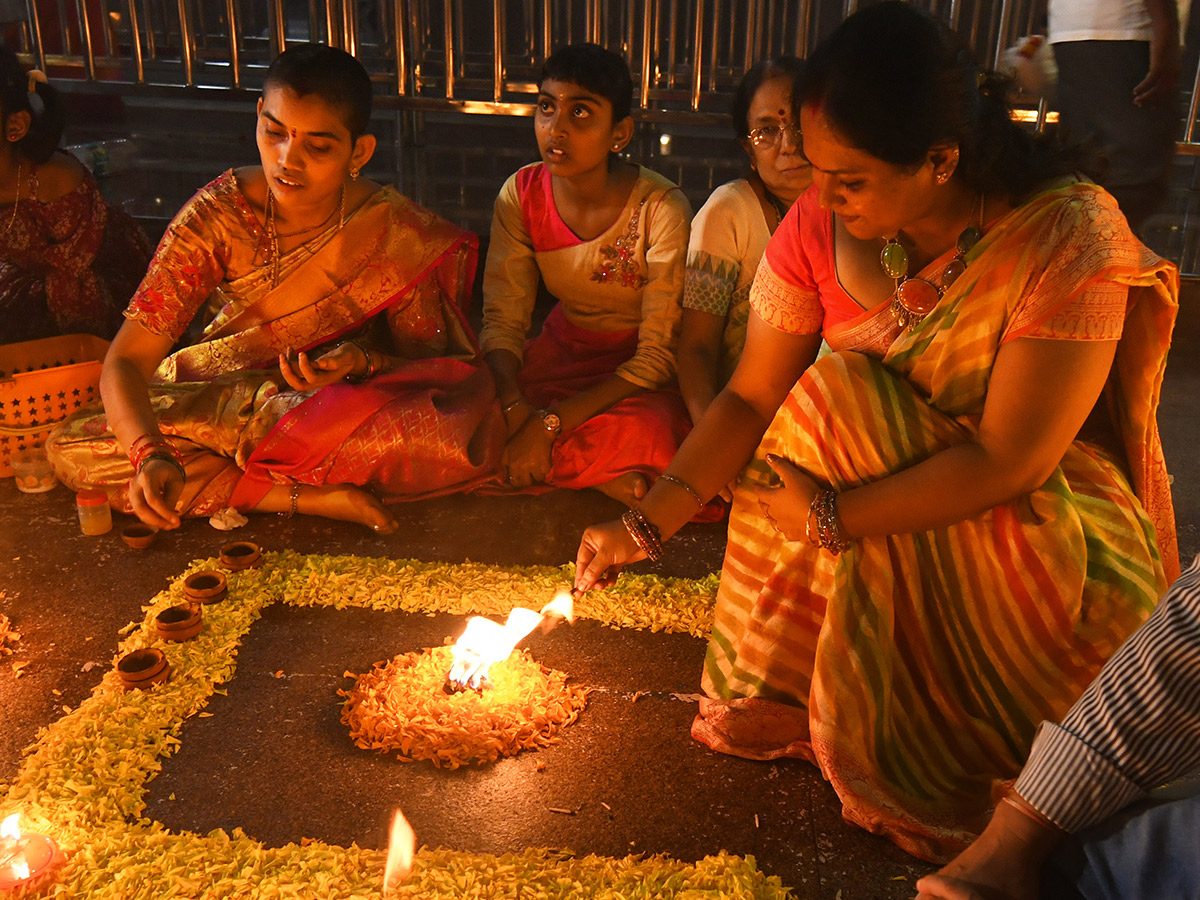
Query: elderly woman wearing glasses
<point>731,230</point>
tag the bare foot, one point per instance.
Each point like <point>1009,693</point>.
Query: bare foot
<point>348,504</point>
<point>343,502</point>
<point>629,488</point>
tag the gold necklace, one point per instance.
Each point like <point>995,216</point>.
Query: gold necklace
<point>273,235</point>
<point>16,201</point>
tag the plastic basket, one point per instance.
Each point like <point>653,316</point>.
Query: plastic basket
<point>41,383</point>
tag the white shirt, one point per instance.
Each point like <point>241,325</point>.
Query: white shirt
<point>1104,20</point>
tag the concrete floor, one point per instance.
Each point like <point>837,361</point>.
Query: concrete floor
<point>258,761</point>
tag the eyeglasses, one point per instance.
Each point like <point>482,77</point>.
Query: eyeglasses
<point>769,135</point>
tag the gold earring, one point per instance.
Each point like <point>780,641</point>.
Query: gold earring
<point>943,177</point>
<point>616,148</point>
<point>354,174</point>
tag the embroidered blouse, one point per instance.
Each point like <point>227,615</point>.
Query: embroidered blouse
<point>630,277</point>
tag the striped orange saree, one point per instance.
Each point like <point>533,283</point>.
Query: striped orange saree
<point>914,668</point>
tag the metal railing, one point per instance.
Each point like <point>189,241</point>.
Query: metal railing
<point>470,56</point>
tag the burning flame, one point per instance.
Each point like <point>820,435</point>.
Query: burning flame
<point>485,642</point>
<point>401,845</point>
<point>14,856</point>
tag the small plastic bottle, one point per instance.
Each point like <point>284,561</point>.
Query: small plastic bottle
<point>94,515</point>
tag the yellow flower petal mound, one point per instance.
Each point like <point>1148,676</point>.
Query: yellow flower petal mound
<point>400,706</point>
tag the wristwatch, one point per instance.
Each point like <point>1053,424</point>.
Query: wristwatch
<point>551,422</point>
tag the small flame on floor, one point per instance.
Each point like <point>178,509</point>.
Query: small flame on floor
<point>14,858</point>
<point>402,844</point>
<point>485,642</point>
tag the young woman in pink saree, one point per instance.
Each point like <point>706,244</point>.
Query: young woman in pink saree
<point>950,522</point>
<point>338,359</point>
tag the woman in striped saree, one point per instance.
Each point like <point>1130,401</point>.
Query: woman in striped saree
<point>955,518</point>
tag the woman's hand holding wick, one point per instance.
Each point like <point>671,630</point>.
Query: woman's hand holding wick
<point>603,551</point>
<point>787,506</point>
<point>527,457</point>
<point>154,494</point>
<point>305,374</point>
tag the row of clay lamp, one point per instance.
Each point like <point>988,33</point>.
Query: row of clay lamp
<point>149,666</point>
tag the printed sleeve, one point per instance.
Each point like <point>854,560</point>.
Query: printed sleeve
<point>510,277</point>
<point>785,293</point>
<point>189,264</point>
<point>653,364</point>
<point>714,262</point>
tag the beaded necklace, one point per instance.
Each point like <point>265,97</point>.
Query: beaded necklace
<point>915,298</point>
<point>272,251</point>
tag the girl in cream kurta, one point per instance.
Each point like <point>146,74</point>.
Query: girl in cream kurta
<point>618,313</point>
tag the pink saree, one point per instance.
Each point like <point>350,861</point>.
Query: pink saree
<point>394,274</point>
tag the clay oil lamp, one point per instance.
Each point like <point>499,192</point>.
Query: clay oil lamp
<point>139,535</point>
<point>143,668</point>
<point>240,555</point>
<point>179,623</point>
<point>208,586</point>
<point>24,857</point>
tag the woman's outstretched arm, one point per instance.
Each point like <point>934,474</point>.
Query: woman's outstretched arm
<point>125,388</point>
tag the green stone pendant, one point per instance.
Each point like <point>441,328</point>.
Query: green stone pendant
<point>894,259</point>
<point>968,238</point>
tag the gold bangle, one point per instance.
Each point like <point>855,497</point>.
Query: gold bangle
<point>511,406</point>
<point>679,482</point>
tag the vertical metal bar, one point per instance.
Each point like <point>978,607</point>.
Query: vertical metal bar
<point>105,19</point>
<point>714,59</point>
<point>38,44</point>
<point>399,10</point>
<point>748,44</point>
<point>85,33</point>
<point>647,38</point>
<point>672,29</point>
<point>235,52</point>
<point>135,37</point>
<point>332,30</point>
<point>1002,37</point>
<point>803,24</point>
<point>594,29</point>
<point>1192,106</point>
<point>1039,124</point>
<point>548,28</point>
<point>350,27</point>
<point>697,52</point>
<point>278,28</point>
<point>630,27</point>
<point>151,37</point>
<point>497,50</point>
<point>186,47</point>
<point>448,36</point>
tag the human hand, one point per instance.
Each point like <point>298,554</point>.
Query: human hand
<point>154,493</point>
<point>787,506</point>
<point>1163,77</point>
<point>305,374</point>
<point>516,415</point>
<point>527,455</point>
<point>603,551</point>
